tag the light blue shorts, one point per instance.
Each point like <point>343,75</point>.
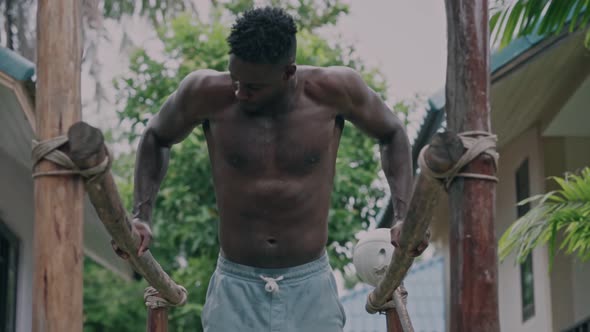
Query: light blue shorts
<point>248,299</point>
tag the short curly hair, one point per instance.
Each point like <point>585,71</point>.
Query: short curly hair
<point>264,35</point>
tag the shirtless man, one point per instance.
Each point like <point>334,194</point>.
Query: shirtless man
<point>272,131</point>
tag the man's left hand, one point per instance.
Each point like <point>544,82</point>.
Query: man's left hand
<point>396,231</point>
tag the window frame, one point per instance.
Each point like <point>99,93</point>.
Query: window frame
<point>527,280</point>
<point>9,279</point>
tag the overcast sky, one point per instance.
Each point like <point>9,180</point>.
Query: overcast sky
<point>405,38</point>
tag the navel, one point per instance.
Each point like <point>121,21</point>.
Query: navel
<point>312,159</point>
<point>236,160</point>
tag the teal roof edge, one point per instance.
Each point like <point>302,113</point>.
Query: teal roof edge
<point>500,58</point>
<point>15,65</point>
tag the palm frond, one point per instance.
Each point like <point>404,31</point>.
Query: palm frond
<point>566,210</point>
<point>541,17</point>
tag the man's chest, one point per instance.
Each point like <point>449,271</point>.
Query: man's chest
<point>294,143</point>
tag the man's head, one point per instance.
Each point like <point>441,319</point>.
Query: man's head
<point>262,55</point>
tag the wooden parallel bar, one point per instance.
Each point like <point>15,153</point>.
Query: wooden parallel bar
<point>444,151</point>
<point>87,149</point>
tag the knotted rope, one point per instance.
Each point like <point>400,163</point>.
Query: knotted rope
<point>476,143</point>
<point>48,149</point>
<point>154,301</point>
<point>373,309</point>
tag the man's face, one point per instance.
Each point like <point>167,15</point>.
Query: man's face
<point>256,85</point>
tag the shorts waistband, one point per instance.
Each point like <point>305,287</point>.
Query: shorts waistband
<point>290,274</point>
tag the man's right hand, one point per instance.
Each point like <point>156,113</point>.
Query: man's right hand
<point>145,235</point>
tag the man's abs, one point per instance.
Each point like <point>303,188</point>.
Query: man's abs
<point>273,225</point>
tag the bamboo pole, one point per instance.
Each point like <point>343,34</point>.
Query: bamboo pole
<point>474,284</point>
<point>58,243</point>
<point>87,150</point>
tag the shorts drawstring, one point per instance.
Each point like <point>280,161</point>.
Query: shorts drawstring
<point>272,285</point>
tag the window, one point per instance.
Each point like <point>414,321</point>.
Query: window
<point>527,281</point>
<point>8,264</point>
<point>583,326</point>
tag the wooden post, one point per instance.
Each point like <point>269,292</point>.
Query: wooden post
<point>58,246</point>
<point>393,322</point>
<point>474,288</point>
<point>157,320</point>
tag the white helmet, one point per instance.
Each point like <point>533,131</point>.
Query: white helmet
<point>372,255</point>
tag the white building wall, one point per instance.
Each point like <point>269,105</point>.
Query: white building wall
<point>577,150</point>
<point>526,146</point>
<point>581,296</point>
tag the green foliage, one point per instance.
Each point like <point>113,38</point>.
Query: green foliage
<point>158,12</point>
<point>524,17</point>
<point>111,308</point>
<point>564,211</point>
<point>308,14</point>
<point>185,217</point>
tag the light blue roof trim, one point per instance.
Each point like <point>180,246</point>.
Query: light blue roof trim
<point>514,49</point>
<point>521,44</point>
<point>502,57</point>
<point>15,65</point>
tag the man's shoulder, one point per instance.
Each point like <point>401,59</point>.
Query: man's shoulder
<point>206,81</point>
<point>330,77</point>
<point>332,83</point>
<point>206,90</point>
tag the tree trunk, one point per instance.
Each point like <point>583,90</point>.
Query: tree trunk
<point>474,288</point>
<point>57,288</point>
<point>8,24</point>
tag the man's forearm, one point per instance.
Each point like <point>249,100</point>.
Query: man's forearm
<point>150,168</point>
<point>396,161</point>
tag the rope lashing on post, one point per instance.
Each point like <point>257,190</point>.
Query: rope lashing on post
<point>476,143</point>
<point>48,149</point>
<point>154,301</point>
<point>373,309</point>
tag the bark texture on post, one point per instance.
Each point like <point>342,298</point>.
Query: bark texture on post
<point>474,288</point>
<point>58,243</point>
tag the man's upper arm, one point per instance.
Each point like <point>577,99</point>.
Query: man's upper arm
<point>365,108</point>
<point>181,112</point>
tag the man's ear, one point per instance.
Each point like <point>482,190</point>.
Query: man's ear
<point>290,70</point>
